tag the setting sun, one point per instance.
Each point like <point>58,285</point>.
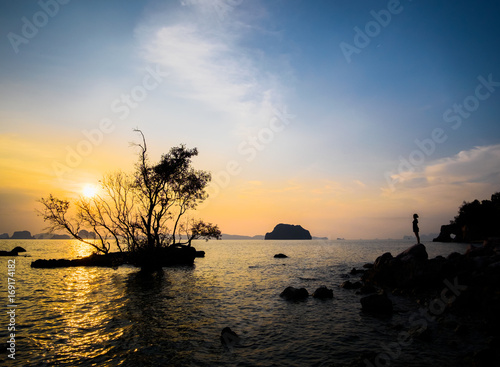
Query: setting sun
<point>89,191</point>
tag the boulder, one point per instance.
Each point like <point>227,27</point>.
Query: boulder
<point>355,271</point>
<point>280,256</point>
<point>382,260</point>
<point>323,293</point>
<point>294,294</point>
<point>414,253</point>
<point>377,304</point>
<point>18,249</point>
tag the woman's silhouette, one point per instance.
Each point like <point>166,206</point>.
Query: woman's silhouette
<point>415,227</point>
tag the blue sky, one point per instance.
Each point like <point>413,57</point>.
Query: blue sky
<point>219,72</point>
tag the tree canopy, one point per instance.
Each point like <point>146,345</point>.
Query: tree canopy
<point>478,220</point>
<point>140,211</point>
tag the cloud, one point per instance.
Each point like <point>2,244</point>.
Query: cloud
<point>470,173</point>
<point>212,66</point>
<point>478,165</point>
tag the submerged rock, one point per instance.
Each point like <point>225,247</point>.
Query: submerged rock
<point>294,294</point>
<point>228,338</point>
<point>280,256</point>
<point>323,293</point>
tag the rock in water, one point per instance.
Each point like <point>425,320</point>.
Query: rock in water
<point>323,293</point>
<point>228,338</point>
<point>280,256</point>
<point>294,294</point>
<point>288,232</point>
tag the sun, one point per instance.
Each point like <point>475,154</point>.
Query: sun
<point>89,191</point>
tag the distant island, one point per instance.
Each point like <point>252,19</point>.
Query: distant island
<point>26,235</point>
<point>288,232</point>
<point>239,237</point>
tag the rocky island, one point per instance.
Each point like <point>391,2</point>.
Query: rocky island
<point>288,232</point>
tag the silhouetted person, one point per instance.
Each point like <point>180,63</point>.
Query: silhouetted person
<point>415,227</point>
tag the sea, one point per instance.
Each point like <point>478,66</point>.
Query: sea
<point>92,316</point>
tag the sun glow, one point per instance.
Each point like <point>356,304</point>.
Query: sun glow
<point>89,191</point>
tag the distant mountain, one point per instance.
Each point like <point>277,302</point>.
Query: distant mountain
<point>52,236</point>
<point>288,232</point>
<point>4,236</point>
<point>22,235</point>
<point>238,237</point>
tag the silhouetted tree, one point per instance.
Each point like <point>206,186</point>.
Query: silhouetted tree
<point>478,220</point>
<point>139,212</point>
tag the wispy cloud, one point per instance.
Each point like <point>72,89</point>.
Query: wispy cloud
<point>476,171</point>
<point>213,67</point>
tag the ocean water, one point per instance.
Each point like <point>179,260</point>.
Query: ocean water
<point>120,317</point>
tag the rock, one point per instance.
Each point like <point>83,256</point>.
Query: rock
<point>368,266</point>
<point>288,232</point>
<point>355,271</point>
<point>323,293</point>
<point>367,289</point>
<point>294,294</point>
<point>383,260</point>
<point>13,252</point>
<point>4,236</point>
<point>377,304</point>
<point>199,254</point>
<point>280,256</point>
<point>229,338</point>
<point>349,285</point>
<point>414,253</point>
<point>445,235</point>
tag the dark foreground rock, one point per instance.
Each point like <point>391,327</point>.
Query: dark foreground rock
<point>323,293</point>
<point>14,252</point>
<point>229,339</point>
<point>464,288</point>
<point>169,256</point>
<point>294,294</point>
<point>280,256</point>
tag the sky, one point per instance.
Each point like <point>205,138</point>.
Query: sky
<point>345,117</point>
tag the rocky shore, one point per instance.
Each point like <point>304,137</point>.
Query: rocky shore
<point>461,292</point>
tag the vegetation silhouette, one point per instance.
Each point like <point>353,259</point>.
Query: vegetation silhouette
<point>476,221</point>
<point>145,214</point>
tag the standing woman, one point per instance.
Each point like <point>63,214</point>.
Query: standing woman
<point>415,227</point>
